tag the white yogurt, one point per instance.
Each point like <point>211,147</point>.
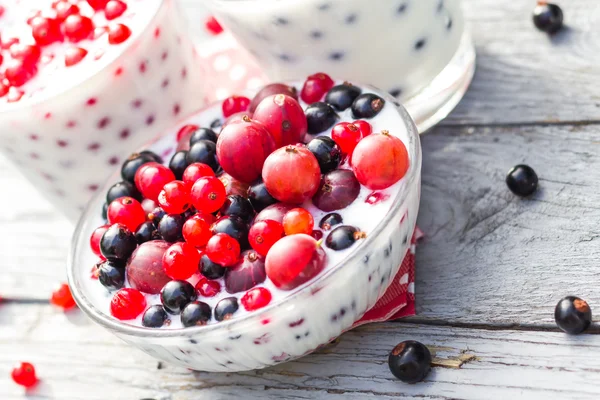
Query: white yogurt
<point>397,45</point>
<point>73,125</point>
<point>359,214</point>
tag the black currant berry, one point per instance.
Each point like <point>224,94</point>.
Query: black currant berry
<point>367,105</point>
<point>210,269</point>
<point>154,317</point>
<point>122,189</point>
<point>327,153</point>
<point>238,206</point>
<point>170,227</point>
<point>522,180</point>
<point>573,315</point>
<point>132,164</point>
<point>259,196</point>
<point>234,227</point>
<point>111,274</point>
<point>320,117</point>
<point>155,157</point>
<point>196,313</point>
<point>226,308</point>
<point>156,215</point>
<point>203,134</point>
<point>178,163</point>
<point>105,211</point>
<point>175,295</point>
<point>342,96</point>
<point>204,151</point>
<point>343,237</point>
<point>547,17</point>
<point>117,243</point>
<point>410,361</point>
<point>146,232</point>
<point>330,220</point>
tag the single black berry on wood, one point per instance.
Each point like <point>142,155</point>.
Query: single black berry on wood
<point>547,17</point>
<point>522,180</point>
<point>573,315</point>
<point>410,361</point>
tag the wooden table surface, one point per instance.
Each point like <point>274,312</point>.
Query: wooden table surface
<point>489,271</point>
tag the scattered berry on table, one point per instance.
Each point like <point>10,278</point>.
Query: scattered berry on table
<point>127,304</point>
<point>298,220</point>
<point>379,161</point>
<point>233,226</point>
<point>326,151</point>
<point>210,269</point>
<point>150,179</point>
<point>346,135</point>
<point>95,239</point>
<point>62,297</point>
<point>315,87</point>
<point>196,231</point>
<point>223,249</point>
<point>342,96</point>
<point>145,267</point>
<point>225,308</point>
<point>117,243</point>
<point>270,90</point>
<point>126,211</point>
<point>320,117</point>
<point>111,274</point>
<point>196,313</point>
<point>410,361</point>
<point>24,374</point>
<point>175,295</point>
<point>208,288</point>
<point>573,315</point>
<point>292,174</point>
<point>243,147</point>
<point>235,104</point>
<point>175,197</point>
<point>205,152</point>
<point>122,189</point>
<point>146,232</point>
<point>256,298</point>
<point>208,194</point>
<point>337,190</point>
<point>343,237</point>
<point>155,317</point>
<point>247,272</point>
<point>195,171</point>
<point>547,17</point>
<point>170,227</point>
<point>238,206</point>
<point>181,260</point>
<point>367,105</point>
<point>522,180</point>
<point>330,220</point>
<point>203,134</point>
<point>259,196</point>
<point>178,163</point>
<point>283,117</point>
<point>264,234</point>
<point>213,26</point>
<point>294,260</point>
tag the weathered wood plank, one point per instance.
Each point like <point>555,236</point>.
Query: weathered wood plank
<point>522,75</point>
<point>78,360</point>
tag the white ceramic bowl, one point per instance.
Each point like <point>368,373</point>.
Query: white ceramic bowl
<point>307,318</point>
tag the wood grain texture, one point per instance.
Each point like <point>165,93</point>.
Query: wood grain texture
<point>76,360</point>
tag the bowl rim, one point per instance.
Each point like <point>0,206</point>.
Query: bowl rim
<point>118,327</point>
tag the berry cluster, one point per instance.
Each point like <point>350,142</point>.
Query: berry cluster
<point>61,22</point>
<point>231,209</point>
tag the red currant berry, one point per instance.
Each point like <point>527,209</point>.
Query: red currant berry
<point>114,9</point>
<point>235,104</point>
<point>292,174</point>
<point>208,194</point>
<point>64,8</point>
<point>264,234</point>
<point>29,54</point>
<point>185,132</point>
<point>213,26</point>
<point>347,136</point>
<point>73,55</point>
<point>195,171</point>
<point>222,249</point>
<point>379,161</point>
<point>95,240</point>
<point>78,27</point>
<point>242,148</point>
<point>294,260</point>
<point>208,288</point>
<point>18,73</point>
<point>298,220</point>
<point>283,117</point>
<point>256,298</point>
<point>365,128</point>
<point>45,31</point>
<point>3,88</point>
<point>196,231</point>
<point>150,179</point>
<point>118,33</point>
<point>97,4</point>
<point>175,197</point>
<point>24,374</point>
<point>270,90</point>
<point>180,261</point>
<point>127,303</point>
<point>233,186</point>
<point>315,87</point>
<point>62,297</point>
<point>127,211</point>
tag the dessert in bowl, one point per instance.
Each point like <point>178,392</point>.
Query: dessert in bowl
<point>285,250</point>
<point>83,80</point>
